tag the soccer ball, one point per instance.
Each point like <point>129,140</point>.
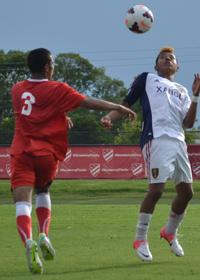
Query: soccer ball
<point>139,19</point>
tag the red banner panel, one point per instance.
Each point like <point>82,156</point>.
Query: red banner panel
<point>194,156</point>
<point>4,163</point>
<point>102,162</point>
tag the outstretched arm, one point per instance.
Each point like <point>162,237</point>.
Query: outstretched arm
<point>190,117</point>
<point>107,120</point>
<point>117,110</point>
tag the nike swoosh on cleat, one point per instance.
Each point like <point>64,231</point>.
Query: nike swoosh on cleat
<point>146,256</point>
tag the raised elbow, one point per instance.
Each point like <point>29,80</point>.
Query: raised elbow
<point>189,122</point>
<point>188,125</point>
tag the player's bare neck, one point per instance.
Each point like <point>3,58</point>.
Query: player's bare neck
<point>168,77</point>
<point>38,76</point>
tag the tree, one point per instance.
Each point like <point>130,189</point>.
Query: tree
<point>190,136</point>
<point>108,88</point>
<point>75,70</point>
<point>12,69</point>
<point>83,76</point>
<point>128,133</point>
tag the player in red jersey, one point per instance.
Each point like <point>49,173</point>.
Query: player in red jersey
<point>40,141</point>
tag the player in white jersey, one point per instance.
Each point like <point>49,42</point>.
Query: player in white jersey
<point>167,108</point>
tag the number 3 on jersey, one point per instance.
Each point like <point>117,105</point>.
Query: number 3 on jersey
<point>29,99</point>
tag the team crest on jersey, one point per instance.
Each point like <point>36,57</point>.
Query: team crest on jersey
<point>155,172</point>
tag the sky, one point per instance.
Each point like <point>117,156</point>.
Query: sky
<point>95,29</point>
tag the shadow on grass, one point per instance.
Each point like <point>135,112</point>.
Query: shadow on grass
<point>116,267</point>
<point>130,265</point>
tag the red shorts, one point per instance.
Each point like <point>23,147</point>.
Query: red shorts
<point>35,171</point>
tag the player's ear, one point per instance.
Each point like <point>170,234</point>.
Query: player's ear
<point>46,68</point>
<point>155,67</point>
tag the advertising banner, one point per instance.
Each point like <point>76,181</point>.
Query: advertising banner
<point>102,162</point>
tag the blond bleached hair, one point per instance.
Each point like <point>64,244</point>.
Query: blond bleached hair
<point>165,49</point>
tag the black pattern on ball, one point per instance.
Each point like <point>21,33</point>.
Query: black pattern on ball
<point>131,11</point>
<point>135,28</point>
<point>148,15</point>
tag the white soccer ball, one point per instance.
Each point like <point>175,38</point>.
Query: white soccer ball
<point>139,19</point>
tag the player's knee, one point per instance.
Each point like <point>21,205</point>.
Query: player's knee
<point>155,195</point>
<point>185,191</point>
<point>190,194</point>
<point>22,194</point>
<point>43,189</point>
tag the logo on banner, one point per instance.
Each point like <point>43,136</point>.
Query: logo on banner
<point>68,155</point>
<point>196,168</point>
<point>8,170</point>
<point>108,154</point>
<point>137,168</point>
<point>94,169</point>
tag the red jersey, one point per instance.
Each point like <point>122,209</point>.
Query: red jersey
<point>40,122</point>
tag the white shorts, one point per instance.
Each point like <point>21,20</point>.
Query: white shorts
<point>167,158</point>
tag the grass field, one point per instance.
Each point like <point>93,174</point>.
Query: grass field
<point>92,230</point>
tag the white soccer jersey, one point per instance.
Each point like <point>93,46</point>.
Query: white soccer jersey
<point>164,105</point>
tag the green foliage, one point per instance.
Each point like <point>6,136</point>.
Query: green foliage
<point>190,136</point>
<point>128,133</point>
<point>12,69</point>
<point>77,71</point>
<point>87,129</point>
<point>82,75</point>
<point>109,89</point>
<point>7,127</point>
<point>12,58</point>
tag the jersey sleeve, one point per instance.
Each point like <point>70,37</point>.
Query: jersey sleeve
<point>137,89</point>
<point>67,98</point>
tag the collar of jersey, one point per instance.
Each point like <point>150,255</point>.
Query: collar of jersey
<point>37,80</point>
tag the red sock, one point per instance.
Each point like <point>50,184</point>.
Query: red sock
<point>24,227</point>
<point>44,219</point>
